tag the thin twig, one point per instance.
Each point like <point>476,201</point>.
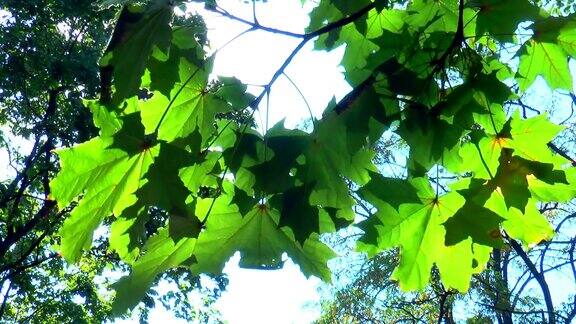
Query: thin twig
<point>539,278</point>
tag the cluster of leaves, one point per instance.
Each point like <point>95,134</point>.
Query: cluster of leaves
<point>423,69</point>
<point>514,287</point>
<point>44,73</point>
<point>49,64</point>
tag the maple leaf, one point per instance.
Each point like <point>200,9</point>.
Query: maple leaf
<point>500,18</point>
<point>110,172</point>
<point>530,137</point>
<point>547,60</point>
<point>258,239</point>
<point>162,252</point>
<point>189,108</point>
<point>417,229</point>
<point>130,53</point>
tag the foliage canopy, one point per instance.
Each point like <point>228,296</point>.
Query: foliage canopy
<point>51,50</point>
<point>429,71</point>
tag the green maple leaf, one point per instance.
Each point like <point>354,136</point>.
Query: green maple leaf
<point>162,75</point>
<point>130,55</point>
<point>287,146</point>
<point>436,16</point>
<point>428,136</point>
<point>478,100</point>
<point>81,166</point>
<point>190,107</point>
<point>493,119</point>
<point>558,30</point>
<point>512,178</point>
<point>127,232</point>
<point>361,166</point>
<point>164,187</point>
<point>357,50</point>
<point>233,91</point>
<point>386,20</point>
<point>500,18</point>
<point>417,229</point>
<point>202,173</point>
<point>474,219</point>
<point>258,239</point>
<point>391,45</point>
<point>531,136</point>
<point>359,37</point>
<point>161,253</point>
<point>528,226</point>
<point>366,115</point>
<point>557,192</point>
<point>528,138</point>
<point>511,175</point>
<point>104,118</point>
<point>403,81</point>
<point>93,156</point>
<point>548,60</point>
<point>489,90</point>
<point>391,191</point>
<point>321,15</point>
<point>326,159</point>
<point>164,72</point>
<point>297,213</point>
<point>439,16</point>
<point>477,222</point>
<point>482,155</point>
<point>253,151</point>
<point>547,52</point>
<point>96,204</point>
<point>109,176</point>
<point>253,235</point>
<point>350,7</point>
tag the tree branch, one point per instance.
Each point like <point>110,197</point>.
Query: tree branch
<point>562,153</point>
<point>254,24</point>
<point>5,300</point>
<point>20,232</point>
<point>342,22</point>
<point>307,36</point>
<point>539,278</point>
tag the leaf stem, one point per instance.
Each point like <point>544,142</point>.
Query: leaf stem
<point>303,98</point>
